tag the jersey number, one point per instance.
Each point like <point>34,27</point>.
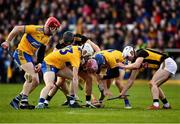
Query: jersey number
<point>66,50</point>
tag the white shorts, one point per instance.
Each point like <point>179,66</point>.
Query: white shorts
<point>169,65</point>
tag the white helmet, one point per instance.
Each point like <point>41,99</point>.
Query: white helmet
<point>127,51</point>
<point>89,50</point>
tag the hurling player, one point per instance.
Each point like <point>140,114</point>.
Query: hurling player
<point>108,60</point>
<point>35,37</point>
<point>150,59</point>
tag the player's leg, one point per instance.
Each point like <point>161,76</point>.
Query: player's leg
<point>162,97</point>
<point>26,63</point>
<point>120,86</point>
<point>64,88</point>
<point>52,92</point>
<point>28,86</point>
<point>159,77</point>
<point>66,73</point>
<point>101,88</point>
<point>49,78</point>
<point>60,84</point>
<point>167,68</point>
<point>88,81</point>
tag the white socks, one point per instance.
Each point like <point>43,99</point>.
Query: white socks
<point>156,104</point>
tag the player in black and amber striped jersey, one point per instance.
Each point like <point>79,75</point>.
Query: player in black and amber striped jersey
<point>150,59</point>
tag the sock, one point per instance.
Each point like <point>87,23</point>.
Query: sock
<point>101,96</point>
<point>46,102</point>
<point>41,100</point>
<point>88,98</point>
<point>101,88</point>
<point>67,98</point>
<point>49,98</point>
<point>18,98</point>
<point>165,102</point>
<point>156,102</point>
<point>24,99</point>
<point>88,102</point>
<point>126,102</point>
<point>72,99</point>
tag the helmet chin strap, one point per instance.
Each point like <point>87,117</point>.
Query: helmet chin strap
<point>49,32</point>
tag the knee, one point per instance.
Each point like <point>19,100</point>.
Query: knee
<point>35,80</point>
<point>89,80</point>
<point>60,83</point>
<point>50,86</point>
<point>31,78</point>
<point>151,83</point>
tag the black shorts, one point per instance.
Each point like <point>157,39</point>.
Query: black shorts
<point>112,73</point>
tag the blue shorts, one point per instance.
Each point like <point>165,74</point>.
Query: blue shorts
<point>45,67</point>
<point>21,57</point>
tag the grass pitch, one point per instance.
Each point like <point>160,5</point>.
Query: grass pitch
<point>113,112</point>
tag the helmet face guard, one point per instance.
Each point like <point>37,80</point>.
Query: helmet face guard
<point>87,50</point>
<point>127,52</point>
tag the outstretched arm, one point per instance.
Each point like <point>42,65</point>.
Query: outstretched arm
<point>74,85</point>
<point>130,82</point>
<point>94,46</point>
<point>135,65</point>
<point>16,30</point>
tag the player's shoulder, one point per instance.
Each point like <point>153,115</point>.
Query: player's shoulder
<point>75,47</point>
<point>117,51</point>
<point>141,53</point>
<point>36,27</point>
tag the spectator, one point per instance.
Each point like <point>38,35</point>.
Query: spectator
<point>106,22</point>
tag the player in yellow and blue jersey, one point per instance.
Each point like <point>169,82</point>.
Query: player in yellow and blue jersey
<point>53,64</point>
<point>75,39</point>
<point>35,37</point>
<point>108,60</point>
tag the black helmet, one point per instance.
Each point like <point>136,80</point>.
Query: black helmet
<point>68,37</point>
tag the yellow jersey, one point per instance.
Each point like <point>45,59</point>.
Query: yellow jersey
<point>152,57</point>
<point>59,58</point>
<point>112,57</point>
<point>32,39</point>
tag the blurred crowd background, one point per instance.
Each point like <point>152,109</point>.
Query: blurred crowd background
<point>109,23</point>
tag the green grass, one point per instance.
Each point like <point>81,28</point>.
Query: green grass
<point>113,112</point>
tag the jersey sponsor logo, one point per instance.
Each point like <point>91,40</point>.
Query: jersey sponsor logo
<point>32,41</point>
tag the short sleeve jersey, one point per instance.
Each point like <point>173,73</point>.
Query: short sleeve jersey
<point>32,39</point>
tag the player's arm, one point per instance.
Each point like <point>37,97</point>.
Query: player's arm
<point>41,53</point>
<point>135,65</point>
<point>120,64</point>
<point>130,82</point>
<point>59,46</point>
<point>40,57</point>
<point>103,82</point>
<point>16,30</point>
<point>94,46</point>
<point>74,86</point>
